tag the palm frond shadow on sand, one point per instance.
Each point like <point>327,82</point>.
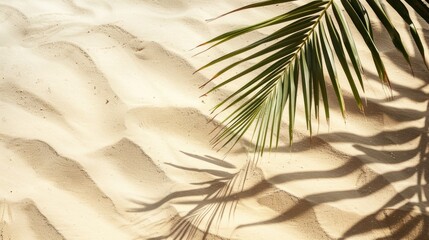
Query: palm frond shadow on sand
<point>410,220</point>
<point>403,217</point>
<point>207,213</point>
<point>403,221</point>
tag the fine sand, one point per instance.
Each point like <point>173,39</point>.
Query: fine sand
<point>103,134</point>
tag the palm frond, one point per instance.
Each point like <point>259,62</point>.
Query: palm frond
<point>421,7</point>
<point>402,10</point>
<point>309,40</point>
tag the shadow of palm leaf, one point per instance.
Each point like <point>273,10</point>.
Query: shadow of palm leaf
<point>226,189</point>
<point>410,220</point>
<point>403,217</point>
<point>206,215</point>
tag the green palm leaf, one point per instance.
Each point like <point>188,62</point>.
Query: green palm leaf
<point>309,40</point>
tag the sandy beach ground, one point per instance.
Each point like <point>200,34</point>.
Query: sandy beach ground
<point>103,134</point>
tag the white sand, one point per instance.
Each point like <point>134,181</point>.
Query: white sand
<point>103,135</point>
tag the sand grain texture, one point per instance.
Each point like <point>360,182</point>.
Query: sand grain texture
<point>103,134</point>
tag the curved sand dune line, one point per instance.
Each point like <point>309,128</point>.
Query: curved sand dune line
<point>12,94</point>
<point>135,165</point>
<point>65,173</point>
<point>103,134</point>
<point>17,216</point>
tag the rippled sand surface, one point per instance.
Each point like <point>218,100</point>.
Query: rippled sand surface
<point>103,135</point>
